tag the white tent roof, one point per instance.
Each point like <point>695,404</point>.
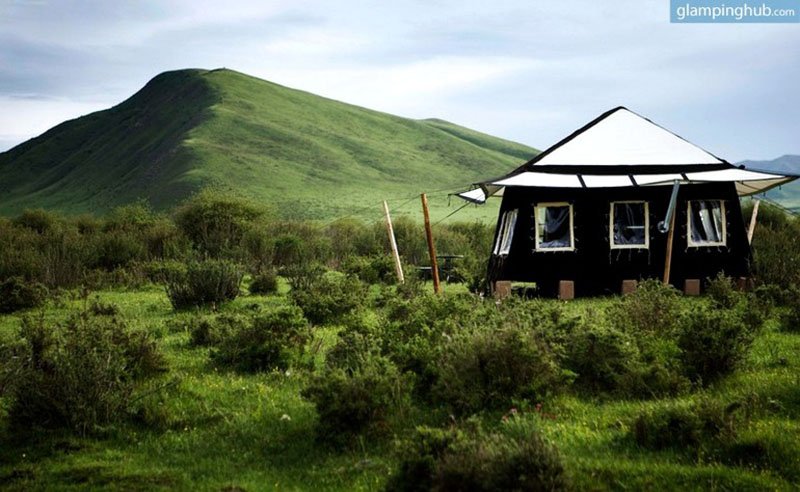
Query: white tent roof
<point>622,149</point>
<point>623,138</point>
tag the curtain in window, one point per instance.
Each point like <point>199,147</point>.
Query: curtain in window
<point>507,224</point>
<point>706,221</point>
<point>554,227</point>
<point>629,224</point>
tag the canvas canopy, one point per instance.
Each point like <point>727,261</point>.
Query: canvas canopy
<point>622,149</point>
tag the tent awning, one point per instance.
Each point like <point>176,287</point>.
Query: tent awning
<point>748,182</point>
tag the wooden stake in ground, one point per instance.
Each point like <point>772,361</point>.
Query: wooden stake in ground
<point>398,267</point>
<point>431,246</point>
<point>752,228</point>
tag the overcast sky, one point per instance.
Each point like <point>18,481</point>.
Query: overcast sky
<point>530,71</point>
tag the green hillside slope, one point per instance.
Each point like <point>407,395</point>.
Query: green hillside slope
<point>307,156</point>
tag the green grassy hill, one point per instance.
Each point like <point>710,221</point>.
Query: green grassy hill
<point>306,156</point>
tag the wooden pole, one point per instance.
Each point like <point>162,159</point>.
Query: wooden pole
<point>398,267</point>
<point>431,246</point>
<point>752,228</point>
<point>670,236</point>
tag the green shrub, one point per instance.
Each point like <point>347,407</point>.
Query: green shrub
<point>17,294</point>
<point>776,251</point>
<point>699,425</point>
<point>755,308</point>
<point>352,238</point>
<point>211,331</point>
<point>416,327</point>
<point>272,340</point>
<point>722,292</point>
<point>38,220</point>
<point>117,249</point>
<point>80,374</point>
<point>603,358</point>
<point>207,282</point>
<point>372,270</point>
<point>652,308</point>
<point>264,282</point>
<point>329,297</point>
<point>487,368</point>
<point>364,399</point>
<point>790,316</point>
<point>437,459</point>
<point>100,308</point>
<point>713,342</point>
<point>217,222</point>
<point>355,345</point>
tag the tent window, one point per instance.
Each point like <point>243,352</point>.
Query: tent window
<point>554,227</point>
<point>629,225</point>
<point>507,224</point>
<point>706,223</point>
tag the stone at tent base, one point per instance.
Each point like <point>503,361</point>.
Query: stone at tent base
<point>502,289</point>
<point>691,287</point>
<point>566,290</point>
<point>629,286</point>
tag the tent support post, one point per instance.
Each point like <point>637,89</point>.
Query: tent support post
<point>398,267</point>
<point>752,228</point>
<point>668,261</point>
<point>431,246</point>
<point>671,212</point>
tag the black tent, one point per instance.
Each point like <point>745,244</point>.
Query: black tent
<point>595,209</point>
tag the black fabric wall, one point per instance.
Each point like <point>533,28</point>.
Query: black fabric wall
<point>597,269</point>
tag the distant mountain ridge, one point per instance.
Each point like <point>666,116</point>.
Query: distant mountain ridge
<point>307,156</point>
<point>789,194</point>
<point>784,164</point>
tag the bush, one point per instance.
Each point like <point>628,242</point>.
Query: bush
<point>211,331</point>
<point>217,222</point>
<point>652,308</point>
<point>273,340</point>
<point>790,317</point>
<point>692,426</point>
<point>265,282</point>
<point>118,249</point>
<point>722,292</point>
<point>208,282</point>
<point>80,375</point>
<point>438,459</point>
<point>418,325</point>
<point>329,297</point>
<point>355,345</point>
<point>38,220</point>
<point>364,399</point>
<point>713,342</point>
<point>776,251</point>
<point>372,270</point>
<point>487,368</point>
<point>603,358</point>
<point>16,294</point>
<point>100,308</point>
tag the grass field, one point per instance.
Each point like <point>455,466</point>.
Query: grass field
<point>225,431</point>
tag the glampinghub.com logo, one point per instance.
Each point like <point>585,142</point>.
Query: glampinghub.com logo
<point>705,11</point>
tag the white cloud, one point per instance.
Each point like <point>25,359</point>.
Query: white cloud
<point>531,71</point>
<point>26,116</point>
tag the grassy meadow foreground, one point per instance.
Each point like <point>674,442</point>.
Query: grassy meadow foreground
<point>219,349</point>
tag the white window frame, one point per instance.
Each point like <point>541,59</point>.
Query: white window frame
<point>536,208</point>
<point>646,244</point>
<point>689,240</point>
<point>505,234</point>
